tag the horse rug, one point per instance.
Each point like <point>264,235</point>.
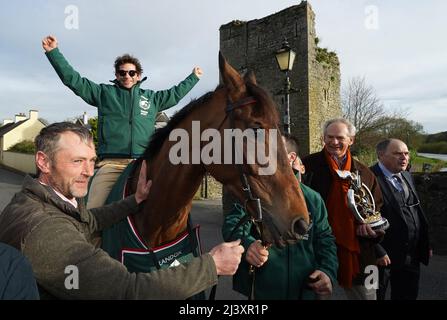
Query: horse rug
<point>123,242</point>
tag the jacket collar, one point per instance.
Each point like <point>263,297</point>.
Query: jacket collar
<point>323,163</point>
<point>47,195</point>
<point>116,82</point>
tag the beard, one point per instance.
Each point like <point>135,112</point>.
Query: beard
<point>71,188</point>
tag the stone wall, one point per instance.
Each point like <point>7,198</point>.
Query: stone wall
<point>315,76</point>
<point>19,161</point>
<point>432,190</point>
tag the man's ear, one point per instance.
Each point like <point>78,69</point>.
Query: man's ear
<point>292,156</point>
<point>43,162</point>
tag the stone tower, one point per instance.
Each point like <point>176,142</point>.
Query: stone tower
<point>315,76</point>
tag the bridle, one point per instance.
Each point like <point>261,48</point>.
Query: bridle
<point>261,215</point>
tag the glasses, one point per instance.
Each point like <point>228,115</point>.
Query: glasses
<point>412,205</point>
<point>131,73</point>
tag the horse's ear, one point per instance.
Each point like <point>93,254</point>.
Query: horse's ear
<point>231,78</point>
<point>250,77</point>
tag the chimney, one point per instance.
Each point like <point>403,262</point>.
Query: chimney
<point>6,121</point>
<point>33,114</point>
<point>19,117</point>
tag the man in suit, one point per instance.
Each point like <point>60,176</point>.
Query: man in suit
<point>406,241</point>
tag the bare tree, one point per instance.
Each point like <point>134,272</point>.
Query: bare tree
<point>361,105</point>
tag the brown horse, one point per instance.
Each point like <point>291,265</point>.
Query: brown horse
<point>238,103</point>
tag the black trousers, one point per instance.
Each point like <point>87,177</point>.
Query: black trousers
<point>403,280</point>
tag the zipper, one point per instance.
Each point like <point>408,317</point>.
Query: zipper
<point>131,121</point>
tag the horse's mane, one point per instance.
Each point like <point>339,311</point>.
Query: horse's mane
<point>160,135</point>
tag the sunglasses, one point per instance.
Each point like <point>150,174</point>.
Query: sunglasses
<point>123,73</point>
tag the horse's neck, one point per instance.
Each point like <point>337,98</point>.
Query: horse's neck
<point>167,207</point>
<point>166,210</point>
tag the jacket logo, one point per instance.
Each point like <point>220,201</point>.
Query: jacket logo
<point>169,258</point>
<point>144,105</point>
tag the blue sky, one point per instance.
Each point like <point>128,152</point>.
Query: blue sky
<point>398,46</point>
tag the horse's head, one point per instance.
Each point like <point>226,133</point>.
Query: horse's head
<point>256,167</point>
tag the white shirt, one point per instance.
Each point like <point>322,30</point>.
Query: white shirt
<point>389,176</point>
<point>73,202</point>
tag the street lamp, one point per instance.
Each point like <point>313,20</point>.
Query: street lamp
<point>285,58</point>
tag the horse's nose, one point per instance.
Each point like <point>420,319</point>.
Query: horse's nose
<point>300,226</point>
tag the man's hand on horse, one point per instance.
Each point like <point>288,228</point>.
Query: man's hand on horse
<point>143,186</point>
<point>257,254</point>
<point>198,72</point>
<point>320,283</point>
<point>227,257</point>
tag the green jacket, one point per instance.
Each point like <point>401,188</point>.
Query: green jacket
<point>53,235</point>
<point>126,117</point>
<point>284,274</point>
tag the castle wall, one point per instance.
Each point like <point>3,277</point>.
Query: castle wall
<point>316,96</point>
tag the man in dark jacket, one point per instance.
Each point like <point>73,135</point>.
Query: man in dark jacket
<point>356,248</point>
<point>305,270</point>
<point>406,241</point>
<point>126,113</point>
<point>16,276</point>
<point>49,223</point>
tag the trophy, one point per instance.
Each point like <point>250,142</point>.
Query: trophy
<point>361,202</point>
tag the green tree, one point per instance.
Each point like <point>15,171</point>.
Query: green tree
<point>25,146</point>
<point>410,132</point>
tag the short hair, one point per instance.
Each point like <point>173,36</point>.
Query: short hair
<point>349,125</point>
<point>292,143</point>
<point>48,139</point>
<point>127,58</point>
<point>383,145</point>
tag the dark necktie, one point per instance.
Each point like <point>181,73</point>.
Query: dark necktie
<point>403,185</point>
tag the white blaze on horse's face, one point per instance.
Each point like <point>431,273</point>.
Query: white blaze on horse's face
<point>239,147</point>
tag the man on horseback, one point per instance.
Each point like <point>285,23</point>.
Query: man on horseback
<point>48,222</point>
<point>126,113</point>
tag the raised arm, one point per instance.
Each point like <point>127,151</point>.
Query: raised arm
<point>166,99</point>
<point>88,90</point>
<point>49,43</point>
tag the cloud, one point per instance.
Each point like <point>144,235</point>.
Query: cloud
<point>404,58</point>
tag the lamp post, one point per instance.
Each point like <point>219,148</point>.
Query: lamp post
<point>285,58</point>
